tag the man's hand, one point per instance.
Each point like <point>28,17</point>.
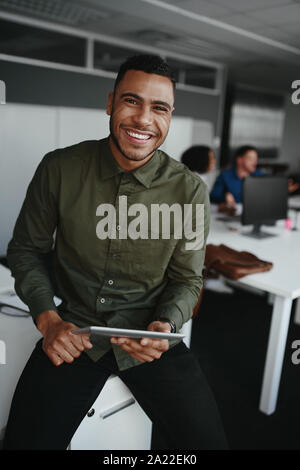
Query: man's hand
<point>230,201</point>
<point>59,343</point>
<point>229,206</point>
<point>146,349</point>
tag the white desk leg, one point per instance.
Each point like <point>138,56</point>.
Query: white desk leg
<point>276,348</point>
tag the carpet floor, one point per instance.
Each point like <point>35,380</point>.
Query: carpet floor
<point>229,338</point>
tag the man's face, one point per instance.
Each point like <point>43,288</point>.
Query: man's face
<point>140,113</point>
<point>248,161</point>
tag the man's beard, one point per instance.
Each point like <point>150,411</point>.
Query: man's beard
<point>126,155</point>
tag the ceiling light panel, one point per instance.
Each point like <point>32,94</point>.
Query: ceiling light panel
<point>66,12</point>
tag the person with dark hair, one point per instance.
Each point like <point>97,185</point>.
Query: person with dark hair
<point>227,190</point>
<point>148,63</point>
<point>201,160</point>
<point>112,274</point>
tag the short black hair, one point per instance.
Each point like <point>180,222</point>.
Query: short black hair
<point>196,158</point>
<point>240,152</point>
<point>148,63</point>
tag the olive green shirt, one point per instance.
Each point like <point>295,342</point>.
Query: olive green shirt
<point>116,281</point>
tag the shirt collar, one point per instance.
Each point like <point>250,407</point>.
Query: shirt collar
<point>145,174</point>
<point>109,167</point>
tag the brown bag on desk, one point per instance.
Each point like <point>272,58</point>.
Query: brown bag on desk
<point>232,263</point>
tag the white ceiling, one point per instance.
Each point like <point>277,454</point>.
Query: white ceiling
<point>258,39</point>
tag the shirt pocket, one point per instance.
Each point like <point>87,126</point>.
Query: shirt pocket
<point>152,256</point>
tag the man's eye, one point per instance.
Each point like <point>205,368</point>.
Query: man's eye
<point>130,100</point>
<point>161,108</point>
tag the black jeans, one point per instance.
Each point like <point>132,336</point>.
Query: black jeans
<point>50,402</point>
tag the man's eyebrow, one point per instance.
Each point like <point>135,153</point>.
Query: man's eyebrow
<point>134,95</point>
<point>163,103</point>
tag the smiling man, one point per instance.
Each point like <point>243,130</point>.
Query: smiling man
<point>140,120</point>
<point>227,190</point>
<point>151,283</point>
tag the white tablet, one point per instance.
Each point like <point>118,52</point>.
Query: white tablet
<point>118,332</point>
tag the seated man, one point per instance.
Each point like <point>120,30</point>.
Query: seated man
<point>130,280</point>
<point>227,190</point>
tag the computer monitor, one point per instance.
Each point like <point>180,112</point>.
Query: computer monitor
<point>264,202</point>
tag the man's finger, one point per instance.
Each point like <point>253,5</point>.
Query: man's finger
<point>72,349</point>
<point>160,344</point>
<point>133,344</point>
<point>81,341</point>
<point>146,353</point>
<point>63,353</point>
<point>122,340</point>
<point>140,356</point>
<point>86,341</point>
<point>57,360</point>
<point>77,342</point>
<point>146,345</point>
<point>67,343</point>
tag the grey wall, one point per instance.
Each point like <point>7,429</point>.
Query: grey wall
<point>39,85</point>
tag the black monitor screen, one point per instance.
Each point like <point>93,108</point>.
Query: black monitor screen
<point>264,199</point>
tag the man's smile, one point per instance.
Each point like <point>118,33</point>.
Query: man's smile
<point>136,136</point>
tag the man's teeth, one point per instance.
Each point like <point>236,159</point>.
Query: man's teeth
<point>138,136</point>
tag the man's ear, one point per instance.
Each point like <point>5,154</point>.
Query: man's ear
<point>109,103</point>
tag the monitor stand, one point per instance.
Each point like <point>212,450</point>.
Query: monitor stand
<point>256,233</point>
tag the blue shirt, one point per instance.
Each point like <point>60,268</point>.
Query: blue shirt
<point>229,182</point>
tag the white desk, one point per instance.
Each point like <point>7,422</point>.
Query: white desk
<point>283,281</point>
<point>294,202</point>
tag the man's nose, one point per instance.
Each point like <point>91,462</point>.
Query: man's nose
<point>143,116</point>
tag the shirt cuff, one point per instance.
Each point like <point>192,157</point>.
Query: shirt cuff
<point>39,305</point>
<point>171,313</point>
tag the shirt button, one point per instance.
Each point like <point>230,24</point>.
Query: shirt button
<point>110,282</point>
<point>102,300</point>
<point>118,227</point>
